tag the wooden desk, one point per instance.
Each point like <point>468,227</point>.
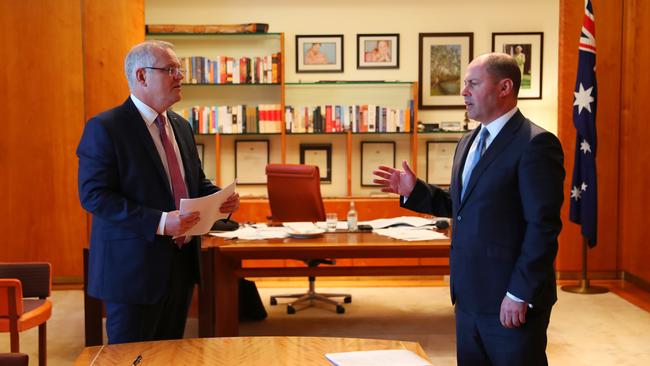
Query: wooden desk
<point>246,351</point>
<point>222,267</point>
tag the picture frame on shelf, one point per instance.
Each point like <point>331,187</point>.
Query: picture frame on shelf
<point>528,50</point>
<point>200,149</point>
<point>319,53</point>
<point>378,51</point>
<point>374,154</point>
<point>319,155</point>
<point>440,158</point>
<point>251,158</point>
<point>443,60</point>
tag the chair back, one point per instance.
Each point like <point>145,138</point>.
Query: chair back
<point>35,278</point>
<point>294,192</point>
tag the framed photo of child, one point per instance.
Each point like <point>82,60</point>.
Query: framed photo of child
<point>377,51</point>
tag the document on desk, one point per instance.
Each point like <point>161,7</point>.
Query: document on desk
<point>413,221</point>
<point>389,357</point>
<point>410,233</point>
<point>208,208</point>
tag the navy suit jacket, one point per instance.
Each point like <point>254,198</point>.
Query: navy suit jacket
<point>123,184</point>
<point>504,236</point>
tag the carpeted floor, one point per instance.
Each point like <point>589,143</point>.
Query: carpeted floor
<point>585,329</point>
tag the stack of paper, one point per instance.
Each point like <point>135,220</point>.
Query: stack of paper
<point>413,221</point>
<point>391,357</point>
<point>208,209</point>
<point>251,233</point>
<point>410,233</point>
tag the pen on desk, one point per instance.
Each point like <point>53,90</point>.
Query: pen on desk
<point>137,360</point>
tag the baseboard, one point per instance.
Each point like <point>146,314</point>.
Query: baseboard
<point>636,280</point>
<point>592,275</point>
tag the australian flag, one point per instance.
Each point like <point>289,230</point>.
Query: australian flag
<point>584,208</point>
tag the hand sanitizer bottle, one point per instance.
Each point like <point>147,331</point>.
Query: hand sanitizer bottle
<point>352,218</point>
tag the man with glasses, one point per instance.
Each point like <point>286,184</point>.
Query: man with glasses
<point>136,161</point>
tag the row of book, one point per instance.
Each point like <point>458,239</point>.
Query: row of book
<point>267,118</point>
<point>231,70</point>
<point>263,118</point>
<point>341,118</point>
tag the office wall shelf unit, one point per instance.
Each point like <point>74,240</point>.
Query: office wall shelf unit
<point>390,102</point>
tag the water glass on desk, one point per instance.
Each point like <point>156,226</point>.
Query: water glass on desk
<point>331,220</point>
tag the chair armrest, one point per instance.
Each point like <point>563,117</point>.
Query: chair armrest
<point>11,298</point>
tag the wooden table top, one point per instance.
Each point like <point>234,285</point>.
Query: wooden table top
<point>342,242</point>
<point>251,351</point>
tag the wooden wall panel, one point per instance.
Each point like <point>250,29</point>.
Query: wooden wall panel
<point>111,28</point>
<point>42,90</point>
<point>608,16</point>
<point>61,66</point>
<point>634,153</point>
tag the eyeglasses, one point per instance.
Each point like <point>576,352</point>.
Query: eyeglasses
<point>173,71</point>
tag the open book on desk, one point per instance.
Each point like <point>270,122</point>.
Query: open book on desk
<point>392,357</point>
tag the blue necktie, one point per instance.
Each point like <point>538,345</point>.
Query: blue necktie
<point>478,152</point>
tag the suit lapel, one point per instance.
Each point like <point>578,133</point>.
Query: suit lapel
<point>493,151</point>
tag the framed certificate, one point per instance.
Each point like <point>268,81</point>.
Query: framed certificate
<point>440,157</point>
<point>374,154</point>
<point>319,155</point>
<point>251,158</point>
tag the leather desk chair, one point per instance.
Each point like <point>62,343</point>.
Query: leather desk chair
<point>294,195</point>
<point>24,289</point>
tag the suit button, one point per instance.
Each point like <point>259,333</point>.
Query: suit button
<point>458,218</point>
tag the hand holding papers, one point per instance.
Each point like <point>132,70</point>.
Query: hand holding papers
<point>208,208</point>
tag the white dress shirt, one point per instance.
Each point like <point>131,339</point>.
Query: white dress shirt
<point>149,116</point>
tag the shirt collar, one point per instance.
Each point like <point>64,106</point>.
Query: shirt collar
<point>495,126</point>
<point>148,114</point>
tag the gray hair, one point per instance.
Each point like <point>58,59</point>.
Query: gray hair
<point>141,55</point>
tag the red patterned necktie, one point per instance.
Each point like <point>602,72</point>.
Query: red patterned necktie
<point>178,184</point>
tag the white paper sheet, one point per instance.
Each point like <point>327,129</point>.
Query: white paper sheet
<point>410,233</point>
<point>208,208</point>
<point>414,221</point>
<point>252,233</point>
<point>391,357</point>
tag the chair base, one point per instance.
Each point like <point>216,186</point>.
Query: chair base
<point>310,297</point>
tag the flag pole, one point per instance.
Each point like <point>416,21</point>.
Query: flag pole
<point>584,287</point>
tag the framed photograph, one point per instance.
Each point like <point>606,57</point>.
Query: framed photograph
<point>528,50</point>
<point>442,64</point>
<point>200,149</point>
<point>377,51</point>
<point>322,53</point>
<point>440,157</point>
<point>374,154</point>
<point>251,158</point>
<point>319,155</point>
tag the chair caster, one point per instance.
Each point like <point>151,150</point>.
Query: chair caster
<point>347,299</point>
<point>274,301</point>
<point>291,309</point>
<point>340,309</point>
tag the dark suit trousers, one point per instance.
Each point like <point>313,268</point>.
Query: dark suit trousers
<point>482,340</point>
<point>163,320</point>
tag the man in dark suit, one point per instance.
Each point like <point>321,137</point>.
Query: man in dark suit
<point>505,198</point>
<point>136,161</point>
